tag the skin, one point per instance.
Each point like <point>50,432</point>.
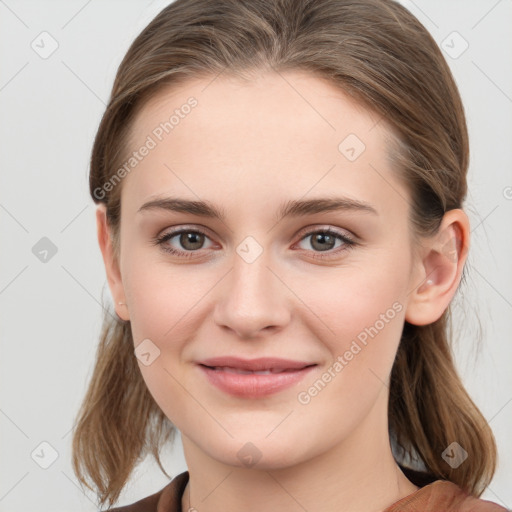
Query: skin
<point>248,147</point>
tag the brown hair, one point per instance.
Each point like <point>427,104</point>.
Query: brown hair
<point>381,55</point>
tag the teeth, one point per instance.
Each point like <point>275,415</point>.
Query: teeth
<point>246,372</point>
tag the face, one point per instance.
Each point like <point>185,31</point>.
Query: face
<point>324,288</point>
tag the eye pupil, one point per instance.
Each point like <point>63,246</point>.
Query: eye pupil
<point>192,238</point>
<point>326,240</point>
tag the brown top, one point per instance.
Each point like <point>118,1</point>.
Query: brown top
<point>437,496</point>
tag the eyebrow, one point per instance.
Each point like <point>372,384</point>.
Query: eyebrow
<point>292,208</point>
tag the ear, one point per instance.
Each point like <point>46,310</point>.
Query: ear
<point>115,282</point>
<point>439,269</point>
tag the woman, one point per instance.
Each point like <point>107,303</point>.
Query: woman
<point>280,190</point>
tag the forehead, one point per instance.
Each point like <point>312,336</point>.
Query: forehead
<point>291,99</point>
<point>288,132</point>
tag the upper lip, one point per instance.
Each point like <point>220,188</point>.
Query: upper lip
<point>262,363</point>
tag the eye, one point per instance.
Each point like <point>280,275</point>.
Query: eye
<point>324,240</point>
<point>190,239</point>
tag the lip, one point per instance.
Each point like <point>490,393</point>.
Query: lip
<point>222,373</point>
<point>262,363</point>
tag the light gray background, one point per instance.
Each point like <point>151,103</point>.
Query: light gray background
<point>51,315</point>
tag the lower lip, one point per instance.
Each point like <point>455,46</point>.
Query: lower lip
<point>253,385</point>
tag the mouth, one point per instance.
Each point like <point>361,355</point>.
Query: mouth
<point>254,378</point>
<point>272,364</point>
<point>251,372</point>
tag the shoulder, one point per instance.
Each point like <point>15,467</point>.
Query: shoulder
<point>148,504</point>
<point>446,496</point>
<point>168,498</point>
<point>461,501</point>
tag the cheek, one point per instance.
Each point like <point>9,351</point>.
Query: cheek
<point>367,325</point>
<point>169,390</point>
<point>162,300</point>
<point>160,296</point>
<point>158,313</point>
<point>345,303</point>
<point>358,316</point>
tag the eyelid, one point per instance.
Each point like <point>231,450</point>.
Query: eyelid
<point>176,230</point>
<point>309,230</point>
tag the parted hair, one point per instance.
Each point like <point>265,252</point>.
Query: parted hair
<point>377,52</point>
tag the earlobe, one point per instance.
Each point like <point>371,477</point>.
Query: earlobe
<point>111,263</point>
<point>440,270</point>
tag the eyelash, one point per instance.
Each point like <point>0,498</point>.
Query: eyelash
<point>349,243</point>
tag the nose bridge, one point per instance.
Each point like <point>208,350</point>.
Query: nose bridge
<point>252,297</point>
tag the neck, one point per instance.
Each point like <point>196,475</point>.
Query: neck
<point>359,473</point>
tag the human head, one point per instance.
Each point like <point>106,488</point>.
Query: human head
<point>380,56</point>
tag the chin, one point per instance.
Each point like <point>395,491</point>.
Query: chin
<point>257,454</point>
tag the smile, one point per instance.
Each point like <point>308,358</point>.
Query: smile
<point>250,372</point>
<point>252,384</point>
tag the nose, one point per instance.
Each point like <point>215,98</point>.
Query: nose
<point>253,299</point>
